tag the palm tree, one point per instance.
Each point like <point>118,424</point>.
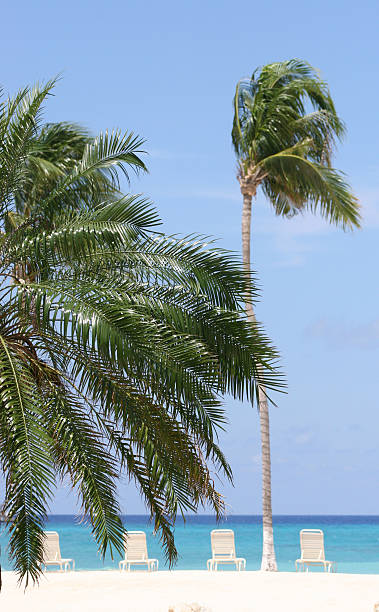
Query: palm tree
<point>116,344</point>
<point>284,132</point>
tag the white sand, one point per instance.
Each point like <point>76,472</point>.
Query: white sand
<point>219,592</point>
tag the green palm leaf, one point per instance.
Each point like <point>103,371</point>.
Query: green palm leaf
<point>26,457</point>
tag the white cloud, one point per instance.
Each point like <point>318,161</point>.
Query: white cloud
<point>338,335</point>
<point>166,154</point>
<point>257,459</point>
<point>216,194</point>
<point>370,208</point>
<point>303,437</point>
<point>301,225</point>
<point>294,238</point>
<point>205,194</point>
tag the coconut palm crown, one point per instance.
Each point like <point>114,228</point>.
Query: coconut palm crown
<point>116,342</point>
<point>284,134</point>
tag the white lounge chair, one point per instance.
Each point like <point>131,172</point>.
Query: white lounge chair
<point>52,552</point>
<point>136,552</point>
<point>224,550</point>
<point>313,551</point>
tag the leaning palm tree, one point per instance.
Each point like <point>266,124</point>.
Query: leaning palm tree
<point>284,132</point>
<point>116,345</point>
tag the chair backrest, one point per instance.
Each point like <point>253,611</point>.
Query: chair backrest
<point>51,548</point>
<point>135,546</point>
<point>312,544</point>
<point>222,541</point>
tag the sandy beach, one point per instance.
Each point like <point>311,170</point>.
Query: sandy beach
<point>216,592</point>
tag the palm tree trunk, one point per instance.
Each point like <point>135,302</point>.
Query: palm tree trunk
<point>268,551</point>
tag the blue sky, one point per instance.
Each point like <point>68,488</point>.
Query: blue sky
<point>167,70</point>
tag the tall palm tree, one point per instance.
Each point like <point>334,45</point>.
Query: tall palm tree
<point>284,132</point>
<point>116,344</point>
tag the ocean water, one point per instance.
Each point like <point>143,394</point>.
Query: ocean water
<point>351,541</point>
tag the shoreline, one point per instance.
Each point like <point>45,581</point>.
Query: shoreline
<point>249,591</point>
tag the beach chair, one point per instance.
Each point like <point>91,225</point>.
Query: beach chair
<point>312,551</point>
<point>52,552</point>
<point>224,550</point>
<point>136,552</point>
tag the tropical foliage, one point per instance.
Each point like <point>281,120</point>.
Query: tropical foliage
<point>116,342</point>
<point>284,133</point>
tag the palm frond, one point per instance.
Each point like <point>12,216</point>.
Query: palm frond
<point>315,186</point>
<point>109,153</point>
<point>26,457</point>
<point>19,122</point>
<point>79,451</point>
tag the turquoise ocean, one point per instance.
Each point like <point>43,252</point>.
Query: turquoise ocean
<point>351,541</point>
